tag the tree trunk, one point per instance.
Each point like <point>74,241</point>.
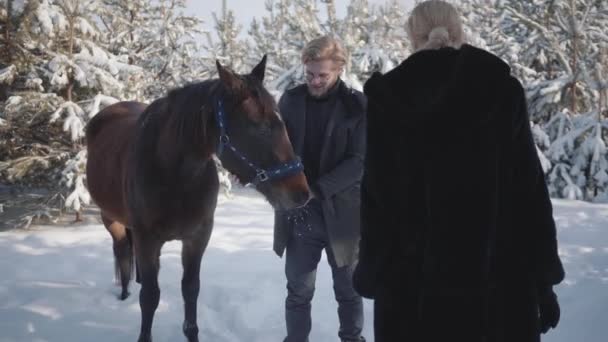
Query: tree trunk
<point>574,61</point>
<point>602,81</point>
<point>7,32</point>
<point>224,15</point>
<point>331,16</point>
<point>68,92</point>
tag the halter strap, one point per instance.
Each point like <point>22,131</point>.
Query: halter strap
<point>261,175</point>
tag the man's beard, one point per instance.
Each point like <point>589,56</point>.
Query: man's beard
<point>320,92</point>
<point>317,92</point>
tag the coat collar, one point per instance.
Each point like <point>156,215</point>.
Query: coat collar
<point>344,93</point>
<point>340,114</point>
<point>459,85</point>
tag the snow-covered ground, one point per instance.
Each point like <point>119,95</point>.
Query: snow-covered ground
<point>56,283</point>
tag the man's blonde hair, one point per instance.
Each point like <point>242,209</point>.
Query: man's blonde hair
<point>324,48</point>
<point>435,24</point>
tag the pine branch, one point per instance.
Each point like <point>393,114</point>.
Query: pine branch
<point>551,39</point>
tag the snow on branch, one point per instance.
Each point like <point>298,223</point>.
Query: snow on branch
<point>49,19</point>
<point>8,74</point>
<point>74,121</point>
<point>550,38</point>
<point>98,101</point>
<point>74,176</point>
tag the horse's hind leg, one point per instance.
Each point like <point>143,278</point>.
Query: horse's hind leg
<point>147,254</point>
<point>123,253</point>
<point>192,253</point>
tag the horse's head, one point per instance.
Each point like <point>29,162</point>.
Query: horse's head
<point>254,144</point>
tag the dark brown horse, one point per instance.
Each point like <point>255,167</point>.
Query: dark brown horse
<point>151,171</point>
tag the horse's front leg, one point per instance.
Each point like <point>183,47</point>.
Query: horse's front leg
<point>192,253</point>
<point>147,251</point>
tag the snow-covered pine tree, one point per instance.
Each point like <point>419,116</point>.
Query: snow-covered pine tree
<point>355,32</point>
<point>7,76</point>
<point>173,53</point>
<point>488,26</point>
<point>563,46</point>
<point>122,22</point>
<point>11,46</point>
<point>305,22</point>
<point>553,46</point>
<point>29,148</point>
<point>229,49</point>
<point>158,37</point>
<point>6,33</point>
<point>16,56</point>
<point>375,37</point>
<point>72,63</point>
<point>284,31</point>
<point>270,35</point>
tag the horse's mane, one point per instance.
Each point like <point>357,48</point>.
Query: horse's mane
<point>186,111</point>
<point>189,112</point>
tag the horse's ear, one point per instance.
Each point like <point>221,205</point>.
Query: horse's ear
<point>260,69</point>
<point>228,78</point>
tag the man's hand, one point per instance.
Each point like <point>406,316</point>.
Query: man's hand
<point>548,308</point>
<point>316,192</point>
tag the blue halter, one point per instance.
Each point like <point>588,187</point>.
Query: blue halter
<point>261,175</point>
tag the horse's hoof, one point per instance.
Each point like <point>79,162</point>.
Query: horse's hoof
<point>144,339</point>
<point>124,295</point>
<point>191,331</point>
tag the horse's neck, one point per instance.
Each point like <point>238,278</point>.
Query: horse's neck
<point>186,149</point>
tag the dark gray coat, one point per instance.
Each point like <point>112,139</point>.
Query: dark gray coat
<point>340,169</point>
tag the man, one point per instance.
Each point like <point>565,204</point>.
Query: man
<point>325,122</point>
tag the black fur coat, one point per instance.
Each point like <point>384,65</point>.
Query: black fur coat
<point>456,218</point>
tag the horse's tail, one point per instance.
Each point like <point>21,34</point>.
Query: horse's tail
<point>126,253</point>
<point>133,260</point>
<point>124,256</point>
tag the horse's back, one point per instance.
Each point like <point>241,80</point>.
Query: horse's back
<point>109,136</point>
<point>121,113</point>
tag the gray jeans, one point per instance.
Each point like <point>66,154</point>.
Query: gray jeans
<point>303,253</point>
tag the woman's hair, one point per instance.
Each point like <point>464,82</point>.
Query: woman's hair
<point>323,48</point>
<point>435,24</point>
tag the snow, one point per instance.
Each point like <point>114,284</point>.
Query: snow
<point>74,176</point>
<point>13,101</point>
<point>86,28</point>
<point>98,101</point>
<point>57,282</point>
<point>7,75</point>
<point>583,237</point>
<point>47,18</point>
<point>73,122</point>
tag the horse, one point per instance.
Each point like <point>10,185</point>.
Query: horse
<point>151,171</point>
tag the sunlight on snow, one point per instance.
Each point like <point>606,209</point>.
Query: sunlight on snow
<point>43,310</point>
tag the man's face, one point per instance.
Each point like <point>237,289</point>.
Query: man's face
<point>321,76</point>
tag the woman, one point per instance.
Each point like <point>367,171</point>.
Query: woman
<point>458,240</point>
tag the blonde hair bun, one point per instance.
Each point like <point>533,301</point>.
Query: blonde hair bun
<point>438,37</point>
<point>435,24</point>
